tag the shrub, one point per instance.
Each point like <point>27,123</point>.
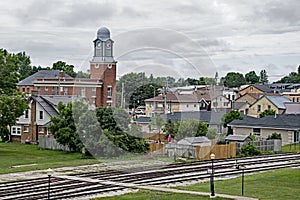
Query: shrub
<point>250,150</point>
<point>274,136</point>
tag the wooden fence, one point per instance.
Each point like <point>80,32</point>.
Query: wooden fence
<point>220,151</point>
<point>201,152</point>
<point>157,147</point>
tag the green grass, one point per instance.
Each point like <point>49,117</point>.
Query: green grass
<point>276,184</point>
<point>155,195</point>
<point>291,148</point>
<point>16,154</point>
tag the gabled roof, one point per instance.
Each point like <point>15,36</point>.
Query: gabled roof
<point>49,103</point>
<point>45,105</point>
<point>288,122</point>
<point>278,101</point>
<point>40,74</point>
<point>263,88</point>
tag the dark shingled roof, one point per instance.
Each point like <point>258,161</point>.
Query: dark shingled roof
<point>237,138</point>
<point>41,74</point>
<point>210,117</point>
<point>48,107</point>
<point>288,121</point>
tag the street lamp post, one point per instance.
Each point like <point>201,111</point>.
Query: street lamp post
<point>212,186</point>
<point>241,167</point>
<point>49,173</point>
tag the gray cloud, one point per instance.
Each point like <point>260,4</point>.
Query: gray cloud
<point>236,35</point>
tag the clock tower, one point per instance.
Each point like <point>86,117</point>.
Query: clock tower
<point>103,67</point>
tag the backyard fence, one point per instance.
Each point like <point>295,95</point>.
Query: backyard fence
<point>201,152</point>
<point>263,145</point>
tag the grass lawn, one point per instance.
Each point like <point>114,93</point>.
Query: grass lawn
<point>276,184</point>
<point>155,195</point>
<point>16,154</point>
<point>291,148</point>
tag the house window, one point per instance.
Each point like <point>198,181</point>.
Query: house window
<point>258,108</point>
<point>215,104</point>
<point>26,114</point>
<point>297,99</point>
<point>52,90</point>
<point>41,116</point>
<point>57,90</point>
<point>109,91</point>
<point>187,105</point>
<point>27,90</point>
<point>38,89</point>
<point>195,105</point>
<point>26,129</point>
<point>46,90</point>
<point>293,99</point>
<point>256,131</point>
<point>225,103</point>
<point>65,91</point>
<point>93,92</point>
<point>23,89</point>
<point>269,107</point>
<point>83,91</point>
<point>16,130</point>
<point>296,136</point>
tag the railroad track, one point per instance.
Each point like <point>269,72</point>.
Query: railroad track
<point>113,181</point>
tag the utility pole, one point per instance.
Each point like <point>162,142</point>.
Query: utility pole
<point>122,96</point>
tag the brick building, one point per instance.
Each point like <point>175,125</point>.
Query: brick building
<point>46,88</point>
<point>99,89</point>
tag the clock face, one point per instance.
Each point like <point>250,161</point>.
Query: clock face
<point>99,44</point>
<point>108,44</point>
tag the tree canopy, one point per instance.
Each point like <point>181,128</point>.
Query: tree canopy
<point>234,79</point>
<point>229,117</point>
<point>251,77</point>
<point>293,77</point>
<point>263,76</point>
<point>267,112</point>
<point>12,104</point>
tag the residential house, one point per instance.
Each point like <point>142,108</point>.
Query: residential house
<point>35,121</point>
<point>275,103</point>
<point>257,89</point>
<point>220,102</point>
<point>171,102</point>
<point>212,118</point>
<point>287,125</point>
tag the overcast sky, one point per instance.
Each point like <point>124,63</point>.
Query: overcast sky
<point>176,38</point>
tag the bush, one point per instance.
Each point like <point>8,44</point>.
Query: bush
<point>274,136</point>
<point>250,150</point>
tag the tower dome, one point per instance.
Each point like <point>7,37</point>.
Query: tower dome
<point>103,33</point>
